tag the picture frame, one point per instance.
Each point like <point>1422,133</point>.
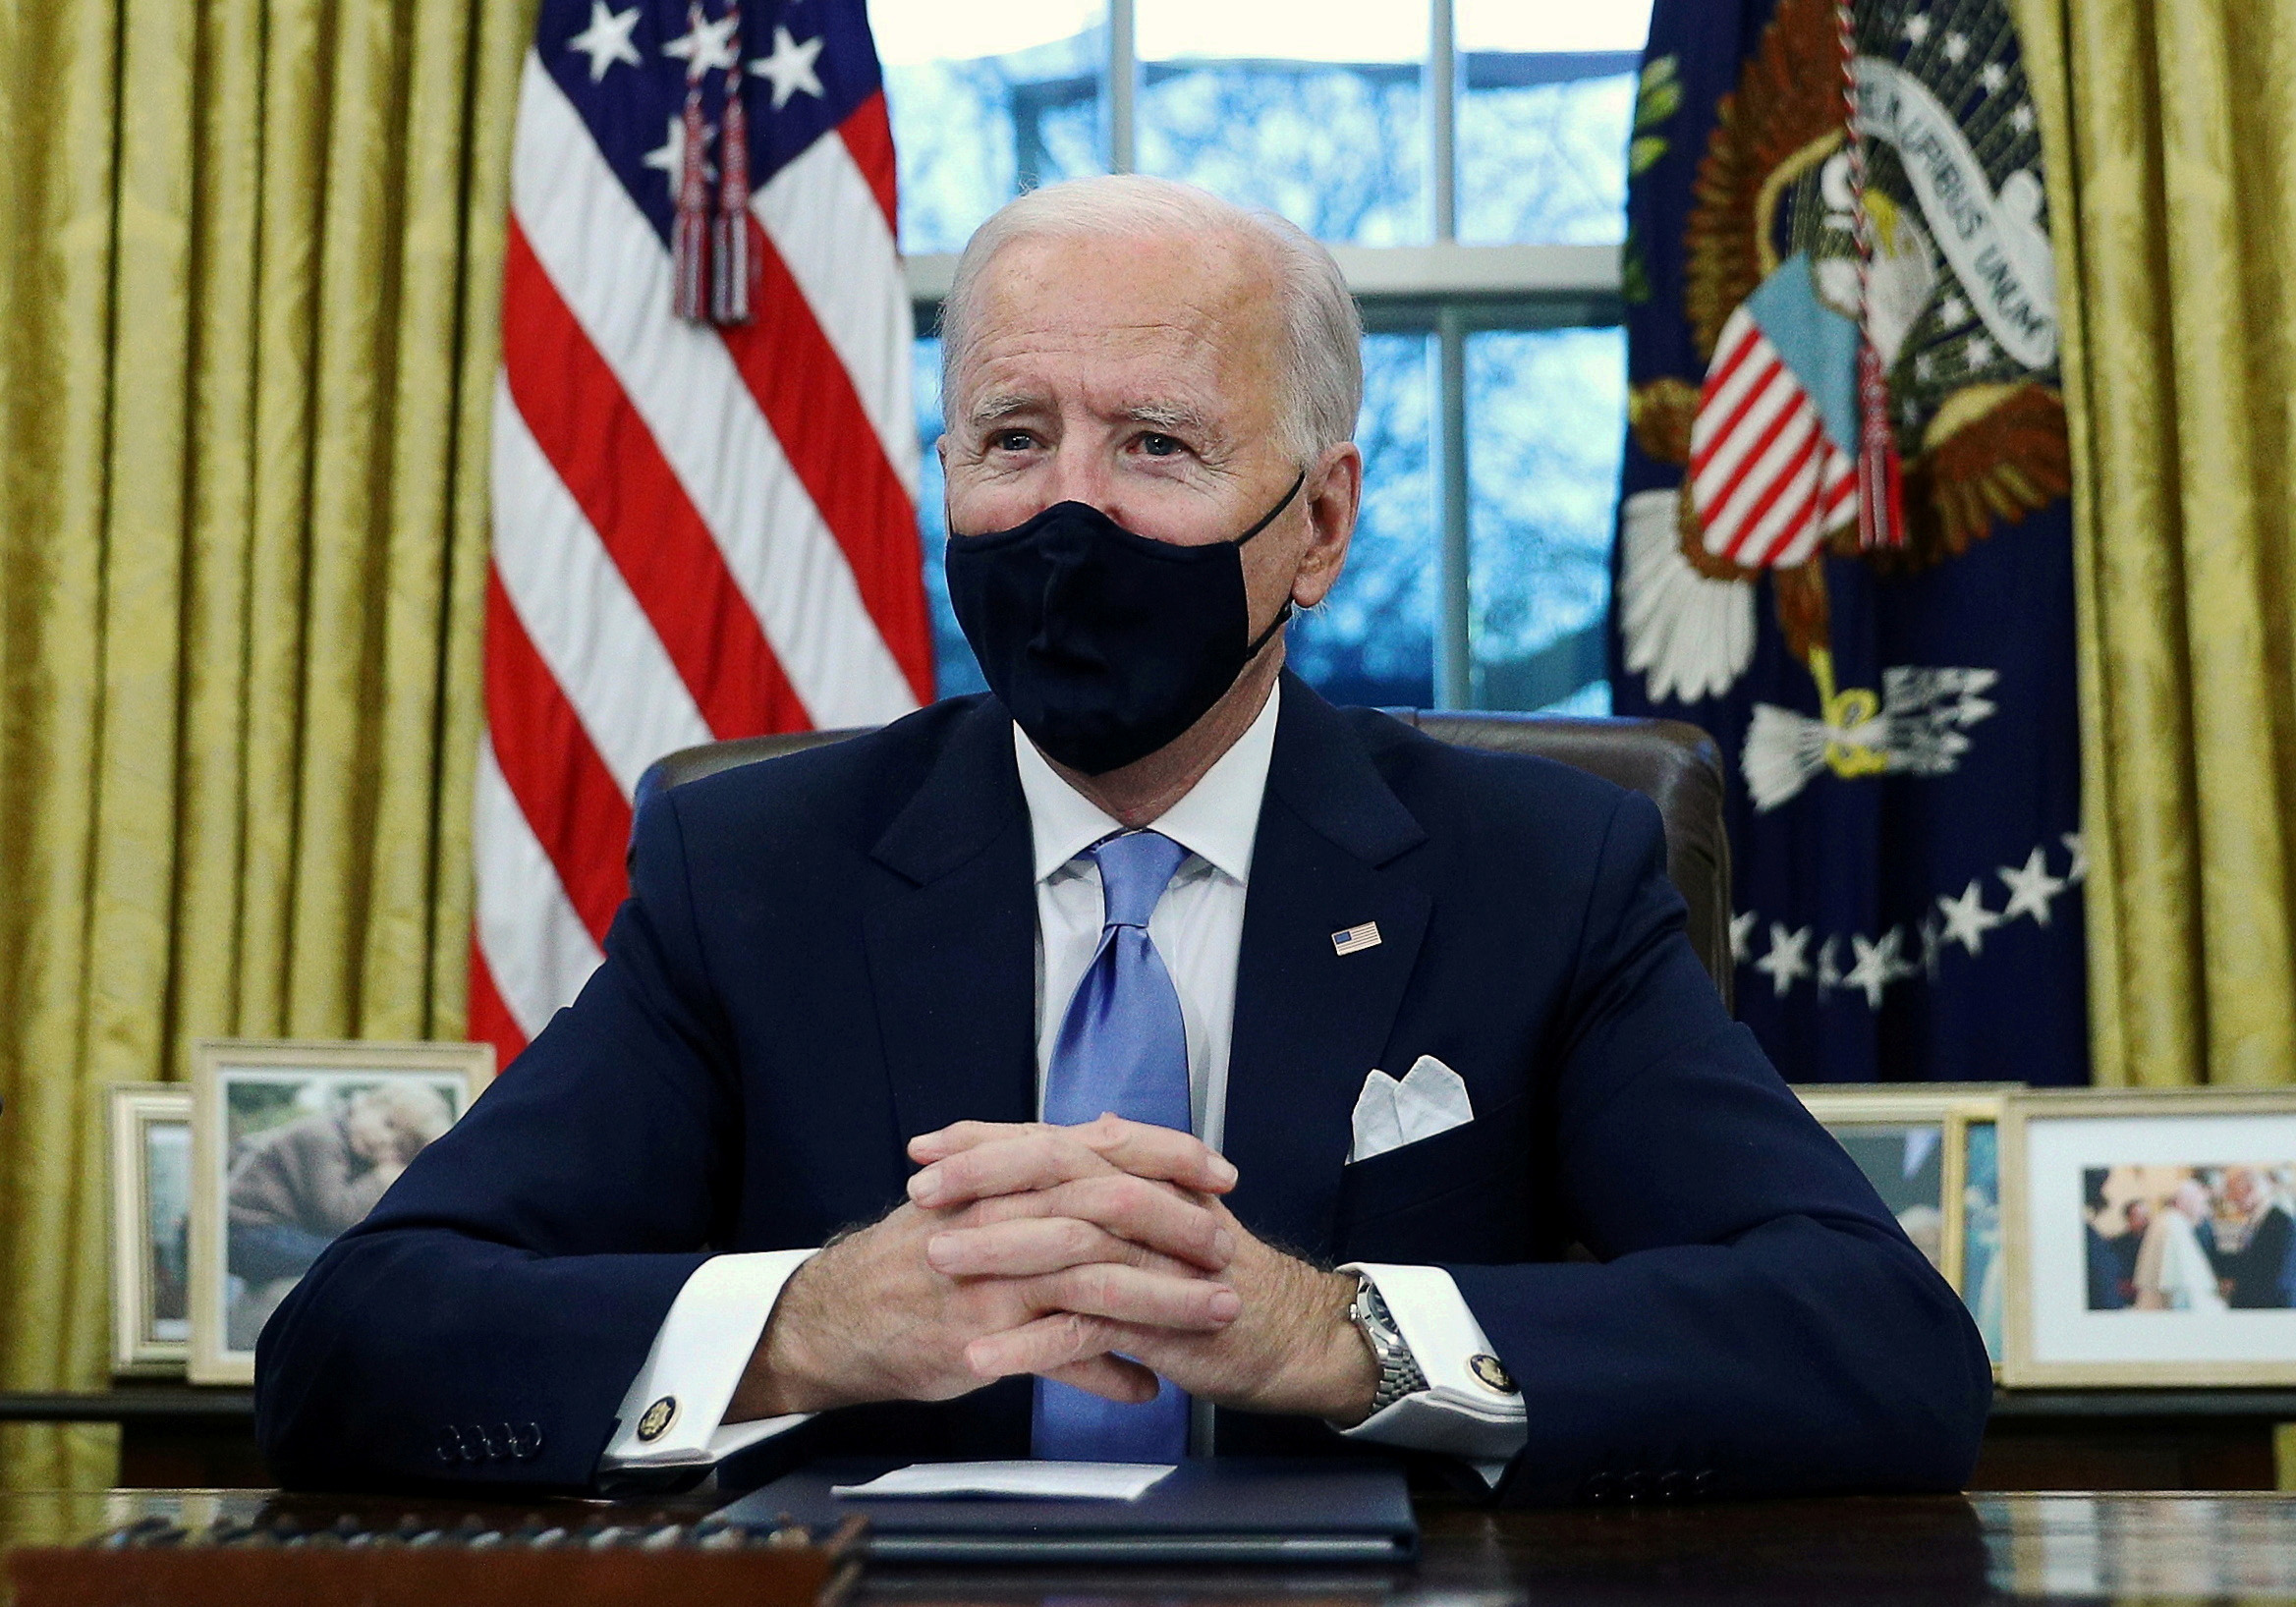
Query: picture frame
<point>291,1142</point>
<point>2140,1237</point>
<point>150,1147</point>
<point>1928,1124</point>
<point>1984,1281</point>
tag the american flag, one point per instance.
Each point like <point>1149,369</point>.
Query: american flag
<point>702,528</point>
<point>1766,480</point>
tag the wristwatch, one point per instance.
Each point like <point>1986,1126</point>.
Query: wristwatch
<point>1399,1374</point>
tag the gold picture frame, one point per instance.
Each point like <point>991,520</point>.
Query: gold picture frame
<point>2070,1322</point>
<point>306,1134</point>
<point>150,1133</point>
<point>1951,1108</point>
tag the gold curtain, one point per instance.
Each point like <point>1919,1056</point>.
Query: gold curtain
<point>248,280</point>
<point>2172,196</point>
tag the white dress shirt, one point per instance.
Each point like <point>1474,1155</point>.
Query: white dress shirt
<point>1198,926</point>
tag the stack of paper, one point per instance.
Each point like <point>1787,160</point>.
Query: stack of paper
<point>1037,1480</point>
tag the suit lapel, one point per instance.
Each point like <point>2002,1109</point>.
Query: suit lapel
<point>1310,1022</point>
<point>952,958</point>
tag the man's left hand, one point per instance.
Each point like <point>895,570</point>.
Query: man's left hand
<point>1292,1350</point>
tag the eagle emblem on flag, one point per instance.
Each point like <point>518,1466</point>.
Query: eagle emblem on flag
<point>1867,274</point>
<point>1845,548</point>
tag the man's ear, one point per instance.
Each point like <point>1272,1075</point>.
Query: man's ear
<point>1334,495</point>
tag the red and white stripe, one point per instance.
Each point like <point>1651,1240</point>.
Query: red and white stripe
<point>700,531</point>
<point>1766,479</point>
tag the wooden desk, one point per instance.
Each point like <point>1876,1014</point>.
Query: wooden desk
<point>1946,1549</point>
<point>169,1433</point>
<point>2126,1439</point>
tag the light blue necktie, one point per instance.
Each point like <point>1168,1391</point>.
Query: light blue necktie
<point>1124,1048</point>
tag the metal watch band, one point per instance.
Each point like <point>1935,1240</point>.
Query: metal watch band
<point>1399,1371</point>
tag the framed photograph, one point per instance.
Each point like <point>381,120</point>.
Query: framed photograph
<point>2150,1237</point>
<point>1911,1140</point>
<point>291,1144</point>
<point>151,1227</point>
<point>1984,1280</point>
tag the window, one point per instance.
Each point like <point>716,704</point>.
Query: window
<point>1466,159</point>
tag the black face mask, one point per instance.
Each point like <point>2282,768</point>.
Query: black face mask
<point>1102,645</point>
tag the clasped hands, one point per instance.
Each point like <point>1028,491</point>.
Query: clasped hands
<point>1100,1256</point>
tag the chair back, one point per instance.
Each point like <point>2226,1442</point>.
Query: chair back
<point>1675,765</point>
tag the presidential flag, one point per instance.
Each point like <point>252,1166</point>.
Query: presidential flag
<point>1844,546</point>
<point>705,463</point>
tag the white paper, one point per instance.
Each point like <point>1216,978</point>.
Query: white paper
<point>1041,1480</point>
<point>1430,1099</point>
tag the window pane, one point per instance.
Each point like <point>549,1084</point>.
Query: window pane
<point>1546,429</point>
<point>1373,641</point>
<point>1308,107</point>
<point>955,670</point>
<point>1546,93</point>
<point>986,103</point>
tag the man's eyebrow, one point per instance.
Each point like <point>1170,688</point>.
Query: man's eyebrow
<point>1002,405</point>
<point>1177,417</point>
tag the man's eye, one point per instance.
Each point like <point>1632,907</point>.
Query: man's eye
<point>1011,440</point>
<point>1160,446</point>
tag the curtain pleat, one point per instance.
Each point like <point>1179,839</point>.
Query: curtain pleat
<point>2172,179</point>
<point>247,318</point>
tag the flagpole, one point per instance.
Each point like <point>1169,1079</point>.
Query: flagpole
<point>1123,84</point>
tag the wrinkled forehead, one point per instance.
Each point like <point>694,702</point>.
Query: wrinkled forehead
<point>1202,305</point>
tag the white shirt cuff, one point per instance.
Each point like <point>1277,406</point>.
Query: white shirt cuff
<point>672,1416</point>
<point>1457,1412</point>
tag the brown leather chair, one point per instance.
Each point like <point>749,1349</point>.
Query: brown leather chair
<point>1675,765</point>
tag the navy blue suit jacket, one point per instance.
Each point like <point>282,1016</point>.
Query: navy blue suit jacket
<point>825,955</point>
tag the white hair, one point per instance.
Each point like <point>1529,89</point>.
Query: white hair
<point>1323,358</point>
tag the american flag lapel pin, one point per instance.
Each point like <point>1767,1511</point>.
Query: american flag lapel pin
<point>1356,939</point>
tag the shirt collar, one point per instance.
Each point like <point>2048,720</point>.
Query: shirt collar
<point>1216,821</point>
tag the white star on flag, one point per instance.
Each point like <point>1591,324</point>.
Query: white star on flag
<point>669,157</point>
<point>1741,935</point>
<point>1830,965</point>
<point>1953,311</point>
<point>1992,76</point>
<point>2022,118</point>
<point>790,67</point>
<point>1916,27</point>
<point>705,47</point>
<point>2078,847</point>
<point>1787,962</point>
<point>1967,920</point>
<point>1933,944</point>
<point>607,38</point>
<point>1957,46</point>
<point>1879,965</point>
<point>2029,888</point>
<point>1977,351</point>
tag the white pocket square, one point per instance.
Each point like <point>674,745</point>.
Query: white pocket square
<point>1431,1098</point>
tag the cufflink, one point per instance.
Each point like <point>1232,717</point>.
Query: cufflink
<point>658,1418</point>
<point>1489,1371</point>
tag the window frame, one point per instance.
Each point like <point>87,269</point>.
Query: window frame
<point>1445,290</point>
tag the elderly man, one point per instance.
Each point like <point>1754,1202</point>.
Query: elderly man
<point>1147,1057</point>
<point>2251,1243</point>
